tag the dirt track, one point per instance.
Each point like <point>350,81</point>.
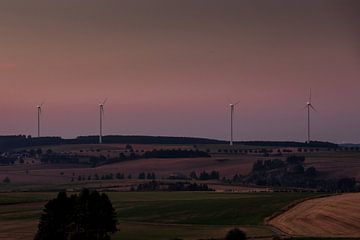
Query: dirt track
<point>335,216</point>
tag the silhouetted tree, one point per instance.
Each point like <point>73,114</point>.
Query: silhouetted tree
<point>6,180</point>
<point>141,175</point>
<point>311,172</point>
<point>193,175</point>
<point>56,220</point>
<point>89,215</point>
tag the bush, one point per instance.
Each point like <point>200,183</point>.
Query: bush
<point>6,180</point>
<point>235,234</point>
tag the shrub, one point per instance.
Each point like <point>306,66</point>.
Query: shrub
<point>235,234</point>
<point>6,180</point>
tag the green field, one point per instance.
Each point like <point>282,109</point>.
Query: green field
<point>162,215</point>
<point>201,208</point>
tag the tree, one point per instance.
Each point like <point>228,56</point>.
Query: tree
<point>119,176</point>
<point>95,216</point>
<point>89,215</point>
<point>193,175</point>
<point>235,234</point>
<point>214,175</point>
<point>6,180</point>
<point>311,172</point>
<point>56,219</point>
<point>141,175</point>
<point>295,159</point>
<point>298,169</point>
<point>39,151</point>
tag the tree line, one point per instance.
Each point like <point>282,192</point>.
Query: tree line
<point>88,215</point>
<point>292,173</point>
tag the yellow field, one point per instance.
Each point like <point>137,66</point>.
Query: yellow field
<point>334,216</point>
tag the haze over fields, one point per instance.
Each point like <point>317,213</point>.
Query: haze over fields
<point>169,67</point>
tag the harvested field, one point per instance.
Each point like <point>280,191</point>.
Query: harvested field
<point>334,216</point>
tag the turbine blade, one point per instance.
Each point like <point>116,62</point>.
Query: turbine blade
<point>236,103</point>
<point>313,107</point>
<point>310,96</point>
<point>105,100</point>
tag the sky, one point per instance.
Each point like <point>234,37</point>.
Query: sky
<point>171,67</point>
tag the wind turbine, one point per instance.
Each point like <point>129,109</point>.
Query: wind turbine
<point>309,107</point>
<point>232,109</point>
<point>101,106</point>
<point>39,108</point>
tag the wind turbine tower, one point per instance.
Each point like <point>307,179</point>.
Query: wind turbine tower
<point>309,107</point>
<point>39,108</point>
<point>232,109</point>
<point>101,108</point>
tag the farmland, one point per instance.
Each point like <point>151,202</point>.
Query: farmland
<point>161,215</point>
<point>168,215</point>
<point>323,217</point>
<point>35,175</point>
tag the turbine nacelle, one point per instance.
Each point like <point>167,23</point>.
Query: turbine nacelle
<point>234,104</point>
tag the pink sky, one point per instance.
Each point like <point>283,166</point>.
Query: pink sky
<point>169,67</point>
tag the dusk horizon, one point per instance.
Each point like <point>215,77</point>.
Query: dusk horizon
<point>173,68</point>
<point>179,119</point>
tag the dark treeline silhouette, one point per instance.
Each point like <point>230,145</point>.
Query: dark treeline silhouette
<point>10,142</point>
<point>213,175</point>
<point>171,186</point>
<point>312,144</point>
<point>129,139</point>
<point>89,215</point>
<point>49,156</point>
<point>175,153</point>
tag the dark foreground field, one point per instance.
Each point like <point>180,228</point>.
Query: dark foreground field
<point>161,215</point>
